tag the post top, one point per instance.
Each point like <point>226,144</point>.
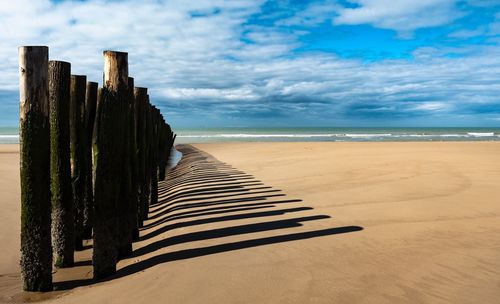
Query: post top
<point>114,52</point>
<point>60,62</point>
<point>33,47</point>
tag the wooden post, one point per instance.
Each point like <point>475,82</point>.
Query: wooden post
<point>170,142</point>
<point>134,170</point>
<point>94,137</point>
<point>63,225</point>
<point>109,154</point>
<point>162,150</point>
<point>127,197</point>
<point>140,95</point>
<point>147,163</point>
<point>154,157</point>
<point>77,137</point>
<point>36,249</point>
<point>89,117</point>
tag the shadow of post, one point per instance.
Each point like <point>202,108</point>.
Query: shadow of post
<point>203,190</point>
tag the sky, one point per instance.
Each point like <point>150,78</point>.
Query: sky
<point>282,63</point>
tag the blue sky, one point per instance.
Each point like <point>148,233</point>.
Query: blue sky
<point>277,63</point>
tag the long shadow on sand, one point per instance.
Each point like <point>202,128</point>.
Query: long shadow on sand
<point>202,190</point>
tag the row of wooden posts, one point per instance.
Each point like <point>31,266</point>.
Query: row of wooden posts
<point>90,163</point>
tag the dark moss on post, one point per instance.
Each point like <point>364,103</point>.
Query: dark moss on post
<point>88,196</point>
<point>108,152</point>
<point>63,227</point>
<point>77,137</point>
<point>36,249</point>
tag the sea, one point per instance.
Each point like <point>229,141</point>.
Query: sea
<point>9,135</point>
<point>335,134</point>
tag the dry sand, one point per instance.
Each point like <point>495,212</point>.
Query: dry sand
<point>353,223</point>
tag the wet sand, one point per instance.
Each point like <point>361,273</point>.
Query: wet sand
<point>300,223</point>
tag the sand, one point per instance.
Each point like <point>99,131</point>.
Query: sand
<point>299,223</point>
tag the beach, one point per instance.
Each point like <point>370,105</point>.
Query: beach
<point>298,222</point>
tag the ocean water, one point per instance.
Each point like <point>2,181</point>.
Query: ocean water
<point>10,135</point>
<point>335,134</point>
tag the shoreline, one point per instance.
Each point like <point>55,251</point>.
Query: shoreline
<point>323,134</point>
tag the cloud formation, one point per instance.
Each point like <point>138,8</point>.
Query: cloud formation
<point>215,62</point>
<point>404,16</point>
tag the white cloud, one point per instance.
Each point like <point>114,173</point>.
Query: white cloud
<point>431,106</point>
<point>464,34</point>
<point>313,14</point>
<point>403,16</point>
<point>204,57</point>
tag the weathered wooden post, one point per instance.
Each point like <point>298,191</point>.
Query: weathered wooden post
<point>162,160</point>
<point>149,162</point>
<point>63,225</point>
<point>140,95</point>
<point>88,196</point>
<point>154,157</point>
<point>126,192</point>
<point>36,249</point>
<point>134,170</point>
<point>170,142</point>
<point>77,137</point>
<point>174,136</point>
<point>94,137</point>
<point>109,154</point>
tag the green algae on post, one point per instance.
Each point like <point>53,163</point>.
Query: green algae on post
<point>36,249</point>
<point>108,154</point>
<point>63,225</point>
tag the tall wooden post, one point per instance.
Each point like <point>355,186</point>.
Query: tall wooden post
<point>149,156</point>
<point>154,157</point>
<point>170,142</point>
<point>140,96</point>
<point>134,170</point>
<point>88,197</point>
<point>126,192</point>
<point>63,225</point>
<point>77,137</point>
<point>109,147</point>
<point>94,137</point>
<point>162,161</point>
<point>36,249</point>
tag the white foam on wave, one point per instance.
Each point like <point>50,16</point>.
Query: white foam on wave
<point>256,135</point>
<point>369,135</point>
<point>452,135</point>
<point>344,136</point>
<point>9,139</point>
<point>481,134</point>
